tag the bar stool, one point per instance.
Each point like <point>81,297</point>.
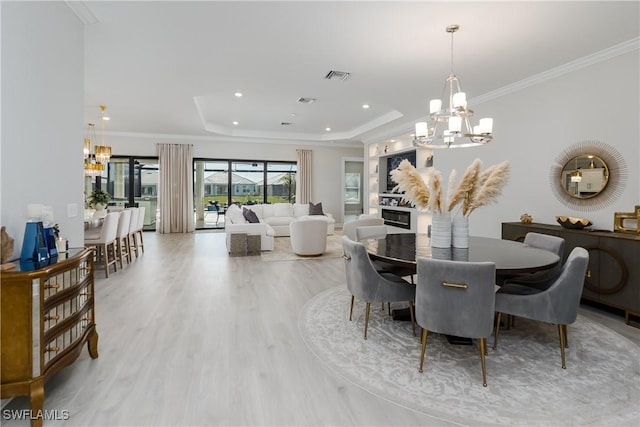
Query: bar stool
<point>133,225</point>
<point>106,241</point>
<point>141,212</point>
<point>122,245</point>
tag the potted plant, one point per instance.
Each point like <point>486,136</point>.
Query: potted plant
<point>98,199</point>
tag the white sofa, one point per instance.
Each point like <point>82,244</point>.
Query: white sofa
<point>274,221</point>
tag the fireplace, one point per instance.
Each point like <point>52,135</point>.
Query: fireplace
<point>396,218</point>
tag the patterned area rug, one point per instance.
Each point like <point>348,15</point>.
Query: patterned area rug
<point>526,384</point>
<point>282,249</point>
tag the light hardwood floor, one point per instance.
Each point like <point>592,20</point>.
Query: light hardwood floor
<point>190,336</point>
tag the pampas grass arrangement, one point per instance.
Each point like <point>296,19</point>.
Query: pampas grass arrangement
<point>476,188</point>
<point>410,182</point>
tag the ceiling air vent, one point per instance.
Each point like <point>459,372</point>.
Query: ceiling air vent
<point>303,100</point>
<point>286,124</point>
<point>337,75</point>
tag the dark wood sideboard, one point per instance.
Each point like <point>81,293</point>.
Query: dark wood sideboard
<point>613,275</point>
<point>47,315</point>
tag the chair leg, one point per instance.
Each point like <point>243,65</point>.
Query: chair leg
<point>483,350</point>
<point>388,307</point>
<point>566,336</point>
<point>562,344</point>
<point>382,306</point>
<point>366,319</point>
<point>413,319</point>
<point>351,309</point>
<point>497,331</point>
<point>105,260</point>
<point>119,253</point>
<point>423,347</point>
<point>142,240</point>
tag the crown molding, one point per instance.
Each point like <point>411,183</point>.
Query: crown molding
<point>569,67</point>
<point>227,139</point>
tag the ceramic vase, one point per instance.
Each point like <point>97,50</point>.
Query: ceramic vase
<point>460,231</point>
<point>100,212</point>
<point>441,230</point>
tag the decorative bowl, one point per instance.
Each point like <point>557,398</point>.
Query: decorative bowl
<point>573,222</point>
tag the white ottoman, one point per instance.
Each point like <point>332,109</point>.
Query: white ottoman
<point>308,236</point>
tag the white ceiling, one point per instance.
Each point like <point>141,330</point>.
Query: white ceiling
<point>171,68</point>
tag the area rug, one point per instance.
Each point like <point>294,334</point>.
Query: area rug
<point>282,249</point>
<point>526,383</point>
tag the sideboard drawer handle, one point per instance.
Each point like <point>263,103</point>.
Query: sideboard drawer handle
<point>54,349</point>
<point>54,317</point>
<point>56,286</point>
<point>588,274</point>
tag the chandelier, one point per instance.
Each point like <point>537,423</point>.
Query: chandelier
<point>448,124</point>
<point>576,175</point>
<point>103,152</point>
<point>94,163</point>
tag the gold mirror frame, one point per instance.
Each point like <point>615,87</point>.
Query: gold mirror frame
<point>610,189</point>
<point>585,176</point>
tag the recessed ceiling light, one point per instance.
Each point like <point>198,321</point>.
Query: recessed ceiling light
<point>235,123</point>
<point>327,129</point>
<point>365,106</point>
<point>238,94</point>
<point>106,118</point>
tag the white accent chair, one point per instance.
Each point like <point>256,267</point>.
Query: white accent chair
<point>308,236</point>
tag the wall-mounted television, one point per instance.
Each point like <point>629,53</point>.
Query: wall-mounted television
<point>392,163</point>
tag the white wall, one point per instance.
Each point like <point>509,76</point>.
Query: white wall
<point>42,115</point>
<point>534,125</point>
<point>326,172</point>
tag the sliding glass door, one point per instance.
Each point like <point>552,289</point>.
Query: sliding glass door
<point>131,181</point>
<point>218,183</point>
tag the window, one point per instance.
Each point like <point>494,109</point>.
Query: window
<point>352,188</point>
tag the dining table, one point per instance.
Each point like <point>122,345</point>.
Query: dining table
<point>511,258</point>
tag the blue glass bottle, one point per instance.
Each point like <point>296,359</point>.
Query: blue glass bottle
<point>35,253</point>
<point>50,240</point>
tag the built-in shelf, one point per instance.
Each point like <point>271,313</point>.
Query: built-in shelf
<point>378,155</point>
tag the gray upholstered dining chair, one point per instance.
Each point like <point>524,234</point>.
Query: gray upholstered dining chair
<point>541,279</point>
<point>456,298</point>
<point>349,228</point>
<point>380,232</point>
<point>557,304</point>
<point>369,285</point>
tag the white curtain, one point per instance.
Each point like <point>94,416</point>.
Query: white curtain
<point>304,176</point>
<point>175,197</point>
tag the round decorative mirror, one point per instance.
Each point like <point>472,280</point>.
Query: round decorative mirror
<point>584,176</point>
<point>588,175</point>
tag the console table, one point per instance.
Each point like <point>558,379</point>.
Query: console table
<point>613,275</point>
<point>47,315</point>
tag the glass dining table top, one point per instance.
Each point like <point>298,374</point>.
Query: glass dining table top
<point>510,257</point>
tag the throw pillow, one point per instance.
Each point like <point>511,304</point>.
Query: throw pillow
<point>315,208</point>
<point>250,215</point>
<point>234,215</point>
